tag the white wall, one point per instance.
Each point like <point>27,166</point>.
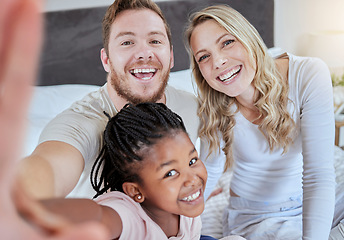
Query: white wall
<point>55,5</point>
<point>294,19</point>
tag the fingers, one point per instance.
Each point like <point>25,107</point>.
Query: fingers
<point>20,34</point>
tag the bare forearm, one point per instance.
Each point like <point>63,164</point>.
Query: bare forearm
<point>37,177</point>
<point>85,210</point>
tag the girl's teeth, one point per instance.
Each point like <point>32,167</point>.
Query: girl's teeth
<point>192,197</point>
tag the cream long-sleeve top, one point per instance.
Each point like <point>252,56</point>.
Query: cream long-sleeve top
<point>307,168</point>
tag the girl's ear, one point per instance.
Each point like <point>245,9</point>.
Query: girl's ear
<point>133,191</point>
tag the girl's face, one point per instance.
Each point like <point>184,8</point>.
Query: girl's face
<point>173,178</point>
<point>222,59</point>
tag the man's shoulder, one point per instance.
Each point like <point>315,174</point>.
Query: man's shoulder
<point>176,96</point>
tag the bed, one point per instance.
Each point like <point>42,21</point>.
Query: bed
<point>70,68</point>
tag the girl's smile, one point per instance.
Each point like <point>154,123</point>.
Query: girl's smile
<point>173,178</point>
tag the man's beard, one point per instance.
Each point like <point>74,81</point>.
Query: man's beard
<point>122,88</point>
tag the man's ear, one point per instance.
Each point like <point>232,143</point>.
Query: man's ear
<point>133,191</point>
<point>171,59</point>
<point>105,60</point>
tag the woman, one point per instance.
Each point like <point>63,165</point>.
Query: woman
<point>273,118</point>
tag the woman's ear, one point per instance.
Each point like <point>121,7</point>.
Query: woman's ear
<point>133,191</point>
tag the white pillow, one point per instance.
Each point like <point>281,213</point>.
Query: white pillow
<point>182,80</point>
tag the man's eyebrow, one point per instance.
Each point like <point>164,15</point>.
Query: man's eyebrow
<point>121,34</point>
<point>156,33</point>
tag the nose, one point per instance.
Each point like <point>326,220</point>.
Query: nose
<point>219,61</point>
<point>191,179</point>
<point>144,53</point>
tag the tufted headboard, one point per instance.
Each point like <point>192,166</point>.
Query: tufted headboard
<point>73,38</point>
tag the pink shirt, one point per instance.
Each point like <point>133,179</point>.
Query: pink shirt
<point>138,225</point>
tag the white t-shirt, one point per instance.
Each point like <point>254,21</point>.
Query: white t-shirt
<point>82,126</point>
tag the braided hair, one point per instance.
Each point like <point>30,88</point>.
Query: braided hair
<point>128,132</point>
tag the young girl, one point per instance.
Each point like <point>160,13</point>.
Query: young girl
<point>275,117</point>
<point>148,178</point>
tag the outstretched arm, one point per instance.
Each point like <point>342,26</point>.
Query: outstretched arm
<point>82,210</point>
<point>20,41</point>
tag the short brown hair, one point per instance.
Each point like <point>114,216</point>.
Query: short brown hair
<point>119,6</point>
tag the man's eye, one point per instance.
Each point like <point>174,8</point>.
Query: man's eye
<point>126,43</point>
<point>170,173</point>
<point>202,58</point>
<point>156,42</point>
<point>193,161</point>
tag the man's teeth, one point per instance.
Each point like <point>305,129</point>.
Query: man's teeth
<point>231,74</point>
<point>143,70</point>
<point>193,196</point>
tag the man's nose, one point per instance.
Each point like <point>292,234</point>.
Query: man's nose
<point>144,52</point>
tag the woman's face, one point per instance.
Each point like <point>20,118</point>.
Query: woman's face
<point>222,59</point>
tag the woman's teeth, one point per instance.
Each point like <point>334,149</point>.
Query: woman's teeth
<point>192,197</point>
<point>230,75</point>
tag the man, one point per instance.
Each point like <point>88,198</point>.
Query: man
<point>138,56</point>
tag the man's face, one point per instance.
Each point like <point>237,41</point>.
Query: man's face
<point>140,56</point>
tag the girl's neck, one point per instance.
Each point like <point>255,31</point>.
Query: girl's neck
<point>168,222</point>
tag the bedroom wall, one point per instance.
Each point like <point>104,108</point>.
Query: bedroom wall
<point>55,5</point>
<point>295,19</point>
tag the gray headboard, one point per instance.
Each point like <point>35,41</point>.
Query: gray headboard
<point>73,38</point>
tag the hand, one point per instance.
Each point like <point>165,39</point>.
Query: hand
<point>215,192</point>
<point>20,42</point>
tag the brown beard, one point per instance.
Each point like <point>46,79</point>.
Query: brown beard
<point>126,93</point>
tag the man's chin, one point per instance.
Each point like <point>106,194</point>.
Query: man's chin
<point>141,99</point>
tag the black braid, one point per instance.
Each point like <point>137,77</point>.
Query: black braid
<point>125,134</point>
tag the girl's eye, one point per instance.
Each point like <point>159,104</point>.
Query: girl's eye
<point>170,173</point>
<point>227,42</point>
<point>193,161</point>
<point>202,58</point>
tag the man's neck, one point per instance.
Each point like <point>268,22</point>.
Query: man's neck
<point>119,102</point>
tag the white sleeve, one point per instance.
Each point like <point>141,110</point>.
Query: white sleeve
<point>317,129</point>
<point>214,164</point>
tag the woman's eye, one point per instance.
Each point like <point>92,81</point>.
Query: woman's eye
<point>202,58</point>
<point>227,42</point>
<point>171,173</point>
<point>193,161</point>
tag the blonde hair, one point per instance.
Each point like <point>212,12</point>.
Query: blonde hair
<point>216,114</point>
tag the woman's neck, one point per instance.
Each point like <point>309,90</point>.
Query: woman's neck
<point>246,105</point>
